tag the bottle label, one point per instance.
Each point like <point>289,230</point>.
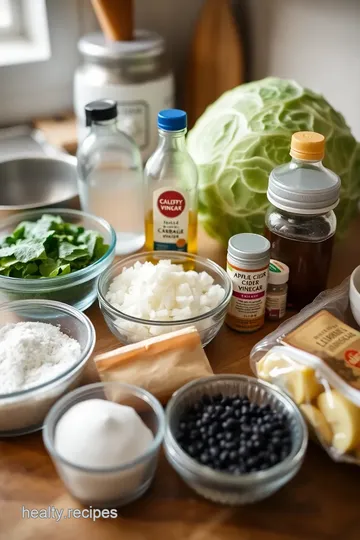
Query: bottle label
<point>171,219</point>
<point>247,304</point>
<point>276,305</point>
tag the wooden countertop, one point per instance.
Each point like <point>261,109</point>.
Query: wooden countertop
<point>320,503</point>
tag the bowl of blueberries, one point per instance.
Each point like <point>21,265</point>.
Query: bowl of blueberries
<point>234,439</point>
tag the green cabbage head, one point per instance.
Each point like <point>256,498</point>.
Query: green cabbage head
<point>245,134</point>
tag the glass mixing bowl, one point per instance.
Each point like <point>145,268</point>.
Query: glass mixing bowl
<point>224,487</point>
<point>112,486</point>
<point>77,289</point>
<point>130,329</point>
<point>24,411</point>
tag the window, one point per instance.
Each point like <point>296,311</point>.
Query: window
<point>6,16</point>
<point>24,34</point>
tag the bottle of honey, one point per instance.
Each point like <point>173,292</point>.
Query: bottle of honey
<point>171,184</point>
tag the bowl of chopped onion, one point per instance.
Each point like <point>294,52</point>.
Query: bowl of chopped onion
<point>153,293</point>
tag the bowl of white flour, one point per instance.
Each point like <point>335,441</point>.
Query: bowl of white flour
<point>44,348</point>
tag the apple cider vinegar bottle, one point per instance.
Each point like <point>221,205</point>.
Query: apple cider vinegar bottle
<point>171,184</point>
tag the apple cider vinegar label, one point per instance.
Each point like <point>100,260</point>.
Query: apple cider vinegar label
<point>247,304</point>
<point>171,220</point>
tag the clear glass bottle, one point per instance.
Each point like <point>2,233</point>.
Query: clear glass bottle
<point>171,189</point>
<point>110,176</point>
<point>300,223</point>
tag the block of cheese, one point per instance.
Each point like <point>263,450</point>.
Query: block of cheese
<point>161,364</point>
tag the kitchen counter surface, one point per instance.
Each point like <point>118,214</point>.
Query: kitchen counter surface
<point>320,503</point>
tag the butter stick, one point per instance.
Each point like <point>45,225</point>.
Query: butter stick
<point>160,364</point>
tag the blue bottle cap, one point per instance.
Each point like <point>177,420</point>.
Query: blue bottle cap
<point>172,120</point>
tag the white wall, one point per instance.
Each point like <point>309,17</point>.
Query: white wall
<point>316,42</point>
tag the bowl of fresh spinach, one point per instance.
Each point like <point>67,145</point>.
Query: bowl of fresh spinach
<point>55,255</point>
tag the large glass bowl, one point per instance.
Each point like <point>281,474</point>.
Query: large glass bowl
<point>130,329</point>
<point>224,487</point>
<point>109,487</point>
<point>24,411</point>
<point>77,289</point>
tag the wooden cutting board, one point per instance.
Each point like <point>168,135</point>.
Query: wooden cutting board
<point>216,59</point>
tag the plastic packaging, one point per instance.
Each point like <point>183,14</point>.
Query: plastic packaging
<point>329,403</point>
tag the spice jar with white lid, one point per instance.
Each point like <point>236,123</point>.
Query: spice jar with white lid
<point>276,294</point>
<point>247,265</point>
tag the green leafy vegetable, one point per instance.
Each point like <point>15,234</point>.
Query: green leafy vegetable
<point>245,134</point>
<point>49,248</point>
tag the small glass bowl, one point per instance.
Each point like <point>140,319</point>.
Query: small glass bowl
<point>77,289</point>
<point>109,487</point>
<point>223,487</point>
<point>24,411</point>
<point>130,329</point>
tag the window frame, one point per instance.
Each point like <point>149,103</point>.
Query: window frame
<point>26,39</point>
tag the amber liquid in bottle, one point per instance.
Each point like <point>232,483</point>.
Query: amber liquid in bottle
<point>309,264</point>
<point>192,231</point>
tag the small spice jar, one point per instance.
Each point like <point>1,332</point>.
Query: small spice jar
<point>247,265</point>
<point>276,295</point>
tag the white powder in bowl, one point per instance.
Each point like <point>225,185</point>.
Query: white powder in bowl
<point>97,434</point>
<point>32,353</point>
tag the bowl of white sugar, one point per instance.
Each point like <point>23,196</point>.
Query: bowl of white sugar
<point>153,293</point>
<point>44,348</point>
<point>104,440</point>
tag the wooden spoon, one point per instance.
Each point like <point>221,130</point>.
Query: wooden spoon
<point>116,18</point>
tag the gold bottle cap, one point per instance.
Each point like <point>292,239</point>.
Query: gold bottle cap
<point>307,145</point>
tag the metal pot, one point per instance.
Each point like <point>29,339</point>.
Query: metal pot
<point>37,182</point>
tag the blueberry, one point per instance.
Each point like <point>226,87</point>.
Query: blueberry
<point>233,455</point>
<point>223,456</point>
<point>243,451</point>
<point>191,450</point>
<point>214,451</point>
<point>204,458</point>
<point>244,409</point>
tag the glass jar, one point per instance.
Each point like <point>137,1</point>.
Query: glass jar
<point>276,294</point>
<point>247,265</point>
<point>134,73</point>
<point>300,222</point>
